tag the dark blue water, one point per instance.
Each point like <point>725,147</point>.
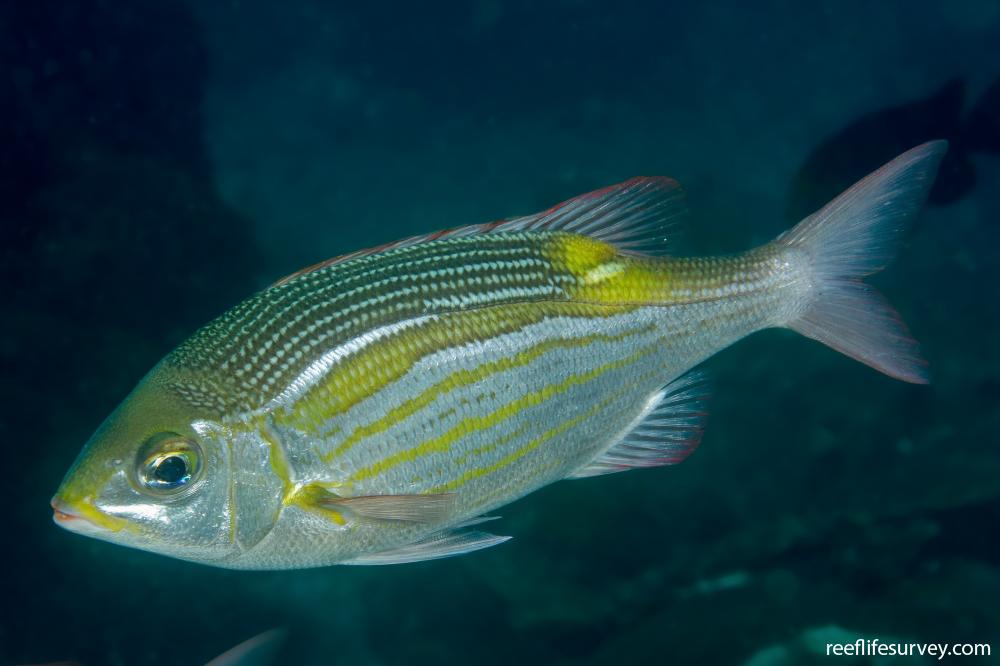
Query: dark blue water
<point>159,161</point>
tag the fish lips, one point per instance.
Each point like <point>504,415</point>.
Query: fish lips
<point>67,517</point>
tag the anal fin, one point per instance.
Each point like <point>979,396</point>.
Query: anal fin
<point>666,432</point>
<point>446,543</point>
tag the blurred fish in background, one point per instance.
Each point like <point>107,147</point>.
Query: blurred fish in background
<point>260,650</point>
<point>877,136</point>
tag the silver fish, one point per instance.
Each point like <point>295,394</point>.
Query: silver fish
<point>372,408</point>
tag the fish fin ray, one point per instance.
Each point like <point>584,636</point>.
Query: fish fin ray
<point>666,432</point>
<point>856,320</point>
<point>429,508</point>
<point>856,235</point>
<point>446,543</point>
<point>259,650</point>
<point>478,520</point>
<point>636,215</point>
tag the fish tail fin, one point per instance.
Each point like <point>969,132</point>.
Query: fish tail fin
<point>853,236</point>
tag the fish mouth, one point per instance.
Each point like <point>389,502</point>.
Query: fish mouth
<point>62,511</point>
<point>79,517</point>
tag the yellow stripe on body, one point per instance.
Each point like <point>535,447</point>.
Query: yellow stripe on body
<point>514,456</point>
<point>385,361</point>
<point>501,494</point>
<point>523,451</point>
<point>472,424</point>
<point>595,276</point>
<point>466,377</point>
<point>492,446</point>
<point>367,372</point>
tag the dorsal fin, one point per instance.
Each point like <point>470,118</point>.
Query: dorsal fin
<point>667,431</point>
<point>635,215</point>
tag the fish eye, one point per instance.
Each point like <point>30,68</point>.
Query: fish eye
<point>168,463</point>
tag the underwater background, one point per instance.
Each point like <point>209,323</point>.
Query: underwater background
<point>160,161</point>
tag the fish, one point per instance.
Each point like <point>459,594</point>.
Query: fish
<point>877,136</point>
<point>375,408</point>
<point>259,650</point>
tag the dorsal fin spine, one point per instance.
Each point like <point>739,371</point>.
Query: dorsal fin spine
<point>633,216</point>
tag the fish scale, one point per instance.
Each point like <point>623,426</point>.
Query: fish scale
<point>308,323</point>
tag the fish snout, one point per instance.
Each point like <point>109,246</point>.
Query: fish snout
<point>78,516</point>
<point>62,512</point>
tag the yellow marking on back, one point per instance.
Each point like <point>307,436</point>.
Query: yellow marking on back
<point>478,423</point>
<point>603,272</point>
<point>604,275</point>
<point>579,254</point>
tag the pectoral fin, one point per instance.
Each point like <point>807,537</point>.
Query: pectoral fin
<point>430,508</point>
<point>665,433</point>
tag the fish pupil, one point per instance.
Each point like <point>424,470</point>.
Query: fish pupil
<point>171,469</point>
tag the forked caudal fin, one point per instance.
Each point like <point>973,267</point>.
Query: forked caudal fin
<point>856,235</point>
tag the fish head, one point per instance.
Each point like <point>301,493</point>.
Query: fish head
<point>155,476</point>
